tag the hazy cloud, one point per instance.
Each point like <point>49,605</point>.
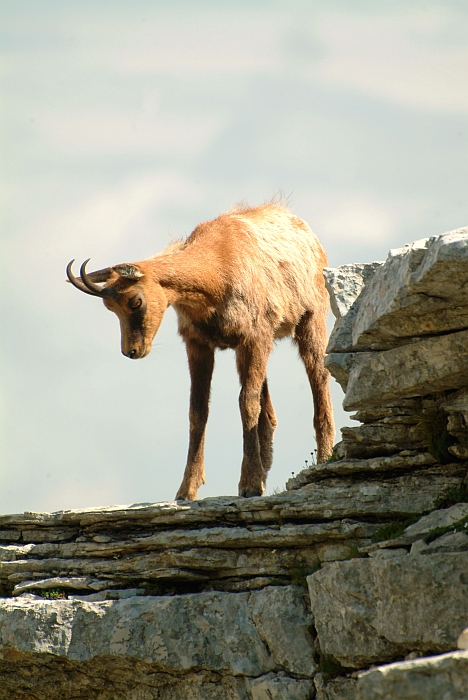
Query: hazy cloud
<point>417,58</point>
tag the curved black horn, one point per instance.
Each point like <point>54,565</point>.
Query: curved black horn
<point>93,288</point>
<point>77,283</point>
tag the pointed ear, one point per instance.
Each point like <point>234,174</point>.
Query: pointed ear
<point>130,271</point>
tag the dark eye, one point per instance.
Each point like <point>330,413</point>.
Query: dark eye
<point>135,303</point>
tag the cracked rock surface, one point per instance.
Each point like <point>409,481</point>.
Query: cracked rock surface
<point>444,676</point>
<point>216,634</point>
<point>373,610</point>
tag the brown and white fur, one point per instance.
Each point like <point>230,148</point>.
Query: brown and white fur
<point>241,281</point>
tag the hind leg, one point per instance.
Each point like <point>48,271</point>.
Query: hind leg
<point>251,362</point>
<point>267,423</point>
<point>311,339</point>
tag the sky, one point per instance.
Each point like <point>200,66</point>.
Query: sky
<point>126,123</point>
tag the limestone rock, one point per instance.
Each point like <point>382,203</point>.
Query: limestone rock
<point>460,451</point>
<point>281,617</point>
<point>44,677</point>
<point>343,601</point>
<point>420,290</point>
<point>435,678</point>
<point>340,365</point>
<point>444,517</point>
<point>345,285</point>
<point>243,634</point>
<point>70,582</point>
<point>335,688</point>
<point>58,534</point>
<point>176,633</point>
<point>280,687</point>
<point>409,493</point>
<point>358,468</point>
<point>457,408</point>
<point>457,403</point>
<point>268,543</point>
<point>451,542</point>
<point>455,540</point>
<point>462,641</point>
<point>417,369</point>
<point>385,437</point>
<point>389,553</point>
<point>9,535</point>
<point>370,611</point>
<point>401,409</point>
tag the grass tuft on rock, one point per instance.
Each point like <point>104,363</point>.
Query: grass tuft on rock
<point>52,593</point>
<point>353,551</point>
<point>395,529</point>
<point>453,495</point>
<point>459,526</point>
<point>299,572</point>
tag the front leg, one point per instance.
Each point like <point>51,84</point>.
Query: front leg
<point>251,366</point>
<point>201,363</point>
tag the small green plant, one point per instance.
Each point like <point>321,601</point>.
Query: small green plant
<point>313,460</point>
<point>388,532</point>
<point>332,458</point>
<point>53,593</point>
<point>275,491</point>
<point>335,455</point>
<point>458,526</point>
<point>454,494</point>
<point>395,529</point>
<point>353,551</point>
<point>299,571</point>
<point>277,581</point>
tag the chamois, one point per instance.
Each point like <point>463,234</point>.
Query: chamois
<point>240,281</point>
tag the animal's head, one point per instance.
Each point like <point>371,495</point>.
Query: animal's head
<point>129,292</point>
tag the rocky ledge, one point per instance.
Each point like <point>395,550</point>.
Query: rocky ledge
<point>362,562</point>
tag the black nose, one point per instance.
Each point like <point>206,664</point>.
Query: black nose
<point>131,353</point>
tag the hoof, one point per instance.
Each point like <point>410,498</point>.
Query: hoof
<point>188,497</point>
<point>250,493</point>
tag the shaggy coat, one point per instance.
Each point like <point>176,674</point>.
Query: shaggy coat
<point>241,281</point>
